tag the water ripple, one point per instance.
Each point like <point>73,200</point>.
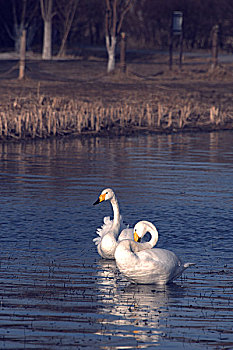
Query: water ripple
<point>56,292</point>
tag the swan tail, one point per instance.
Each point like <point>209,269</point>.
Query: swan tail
<point>186,265</point>
<point>180,271</point>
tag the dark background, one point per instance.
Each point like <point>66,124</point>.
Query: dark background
<point>147,24</point>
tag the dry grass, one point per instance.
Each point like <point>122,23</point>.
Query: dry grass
<point>44,117</point>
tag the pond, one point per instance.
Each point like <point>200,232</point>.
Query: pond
<point>57,293</point>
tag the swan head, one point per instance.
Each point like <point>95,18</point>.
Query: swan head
<point>141,228</point>
<point>106,194</point>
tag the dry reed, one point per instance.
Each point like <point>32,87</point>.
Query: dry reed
<point>44,117</point>
<point>215,115</point>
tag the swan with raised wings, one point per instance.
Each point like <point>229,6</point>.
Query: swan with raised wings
<point>112,231</point>
<point>141,264</point>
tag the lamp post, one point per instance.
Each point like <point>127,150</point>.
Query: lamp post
<point>176,30</point>
<point>215,39</point>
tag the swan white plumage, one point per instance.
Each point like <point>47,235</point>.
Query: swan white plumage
<point>141,264</point>
<point>109,232</point>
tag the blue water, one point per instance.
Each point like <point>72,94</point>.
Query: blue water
<point>56,292</point>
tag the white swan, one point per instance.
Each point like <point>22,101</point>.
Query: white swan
<point>143,265</point>
<point>109,232</point>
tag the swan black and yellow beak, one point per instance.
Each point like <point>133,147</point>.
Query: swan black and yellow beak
<point>100,199</point>
<point>136,237</point>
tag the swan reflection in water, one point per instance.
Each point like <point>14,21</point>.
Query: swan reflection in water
<point>138,313</point>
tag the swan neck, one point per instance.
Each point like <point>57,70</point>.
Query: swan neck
<point>154,236</point>
<point>125,252</point>
<point>116,214</point>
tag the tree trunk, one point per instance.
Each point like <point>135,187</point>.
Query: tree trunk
<point>123,52</point>
<point>22,55</point>
<point>62,49</point>
<point>111,48</point>
<point>47,42</point>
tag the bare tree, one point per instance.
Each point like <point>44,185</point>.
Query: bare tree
<point>19,23</point>
<point>47,15</point>
<point>115,14</point>
<point>23,12</point>
<point>66,12</point>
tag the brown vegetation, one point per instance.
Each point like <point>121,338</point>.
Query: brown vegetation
<point>78,97</point>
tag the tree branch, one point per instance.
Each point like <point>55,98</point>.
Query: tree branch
<point>14,14</point>
<point>128,5</point>
<point>46,9</point>
<point>114,18</point>
<point>42,9</point>
<point>23,13</point>
<point>107,18</point>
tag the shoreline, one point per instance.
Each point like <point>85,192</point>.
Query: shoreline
<point>45,117</point>
<point>120,132</point>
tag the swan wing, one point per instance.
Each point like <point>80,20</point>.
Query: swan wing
<point>103,230</point>
<point>165,259</point>
<point>158,266</point>
<point>107,227</point>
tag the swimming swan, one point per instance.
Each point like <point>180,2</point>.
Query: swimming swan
<point>141,264</point>
<point>109,232</point>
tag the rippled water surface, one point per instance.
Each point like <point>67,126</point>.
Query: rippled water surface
<point>55,291</point>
